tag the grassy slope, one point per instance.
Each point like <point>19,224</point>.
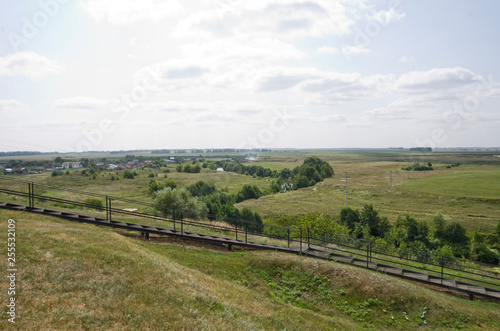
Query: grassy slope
<point>78,276</point>
<point>467,194</point>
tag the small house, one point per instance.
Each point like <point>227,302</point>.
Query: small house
<point>72,165</point>
<point>19,171</point>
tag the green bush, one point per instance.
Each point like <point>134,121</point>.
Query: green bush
<point>128,174</point>
<point>94,203</point>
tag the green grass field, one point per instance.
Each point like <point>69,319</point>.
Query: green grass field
<point>482,182</point>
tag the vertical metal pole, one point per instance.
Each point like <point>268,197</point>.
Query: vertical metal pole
<point>346,192</point>
<point>246,233</point>
<point>32,195</point>
<point>371,251</point>
<point>107,209</point>
<point>29,195</point>
<point>109,204</point>
<point>308,239</point>
<point>288,237</point>
<point>236,228</point>
<point>182,225</point>
<point>301,240</point>
<point>367,254</point>
<point>173,216</point>
<point>390,181</point>
<point>442,269</point>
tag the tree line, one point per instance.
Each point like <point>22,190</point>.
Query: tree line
<point>407,235</point>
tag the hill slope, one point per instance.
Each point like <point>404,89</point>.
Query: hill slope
<point>78,276</point>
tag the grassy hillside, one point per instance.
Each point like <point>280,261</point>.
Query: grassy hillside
<point>77,276</point>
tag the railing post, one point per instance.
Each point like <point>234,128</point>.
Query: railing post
<point>246,233</point>
<point>107,209</point>
<point>182,225</point>
<point>110,218</point>
<point>308,238</point>
<point>29,195</point>
<point>288,230</point>
<point>173,217</point>
<point>368,254</point>
<point>236,228</point>
<point>32,195</point>
<point>300,240</point>
<point>442,269</point>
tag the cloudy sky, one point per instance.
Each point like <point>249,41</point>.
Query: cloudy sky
<point>80,75</point>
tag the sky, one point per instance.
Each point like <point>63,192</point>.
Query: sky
<point>80,75</point>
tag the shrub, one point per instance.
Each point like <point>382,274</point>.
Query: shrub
<point>167,200</point>
<point>128,174</point>
<point>94,203</point>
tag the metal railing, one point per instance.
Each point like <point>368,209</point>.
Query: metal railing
<point>300,239</point>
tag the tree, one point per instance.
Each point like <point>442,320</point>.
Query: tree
<point>349,218</point>
<point>196,169</point>
<point>369,217</point>
<point>455,236</point>
<point>301,181</point>
<point>285,173</point>
<point>410,232</point>
<point>439,224</point>
<point>275,186</point>
<point>322,224</point>
<point>248,192</point>
<point>200,188</point>
<point>176,202</point>
<point>128,174</point>
<point>170,183</point>
<point>253,220</point>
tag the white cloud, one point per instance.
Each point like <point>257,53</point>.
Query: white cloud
<point>391,112</point>
<point>12,107</point>
<point>80,102</point>
<point>386,17</point>
<point>28,64</point>
<point>437,78</point>
<point>218,65</point>
<point>354,50</point>
<point>288,18</point>
<point>329,118</point>
<point>404,59</point>
<point>123,12</point>
<point>328,50</point>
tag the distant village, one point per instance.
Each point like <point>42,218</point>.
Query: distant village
<point>141,162</point>
<point>131,165</point>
